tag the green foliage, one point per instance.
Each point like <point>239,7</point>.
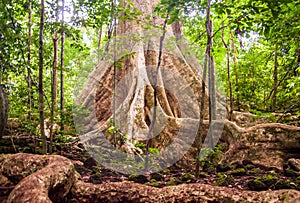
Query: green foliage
<point>154,183</point>
<point>224,180</point>
<point>257,26</point>
<point>142,146</point>
<point>115,135</point>
<point>238,172</point>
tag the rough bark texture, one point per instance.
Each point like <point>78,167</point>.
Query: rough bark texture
<point>270,144</point>
<point>52,178</point>
<point>133,192</point>
<point>42,178</point>
<point>180,74</point>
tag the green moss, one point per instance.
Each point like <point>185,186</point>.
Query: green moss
<point>157,176</point>
<point>186,177</point>
<point>167,171</point>
<point>282,184</point>
<point>172,182</point>
<point>250,166</point>
<point>269,179</point>
<point>203,175</point>
<point>154,183</point>
<point>291,173</point>
<point>256,185</point>
<point>263,183</point>
<point>224,180</point>
<point>238,172</point>
<point>138,178</point>
<point>255,171</point>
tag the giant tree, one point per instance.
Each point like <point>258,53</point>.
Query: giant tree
<point>178,89</point>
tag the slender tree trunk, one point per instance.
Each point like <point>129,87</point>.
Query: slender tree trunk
<point>202,107</point>
<point>228,75</point>
<point>62,63</point>
<point>212,95</point>
<point>54,76</point>
<point>41,92</point>
<point>211,76</point>
<point>29,101</point>
<point>235,71</point>
<point>3,107</point>
<point>275,78</point>
<point>99,43</point>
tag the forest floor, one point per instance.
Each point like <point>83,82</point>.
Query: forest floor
<point>243,175</point>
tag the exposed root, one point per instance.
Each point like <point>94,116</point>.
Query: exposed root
<point>260,126</point>
<point>52,181</point>
<point>56,180</point>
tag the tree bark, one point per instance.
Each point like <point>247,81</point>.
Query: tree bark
<point>3,108</point>
<point>29,101</point>
<point>275,80</point>
<point>178,89</point>
<point>41,67</point>
<point>57,181</point>
<point>235,71</point>
<point>211,75</point>
<point>54,75</point>
<point>62,64</point>
<point>99,43</point>
<point>230,110</point>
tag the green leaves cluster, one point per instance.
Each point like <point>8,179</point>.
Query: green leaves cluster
<point>253,30</point>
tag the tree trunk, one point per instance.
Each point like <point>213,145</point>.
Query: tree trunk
<point>99,43</point>
<point>29,61</point>
<point>3,108</point>
<point>41,91</point>
<point>235,71</point>
<point>54,76</point>
<point>178,91</point>
<point>62,64</point>
<point>201,122</point>
<point>275,78</point>
<point>230,110</point>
